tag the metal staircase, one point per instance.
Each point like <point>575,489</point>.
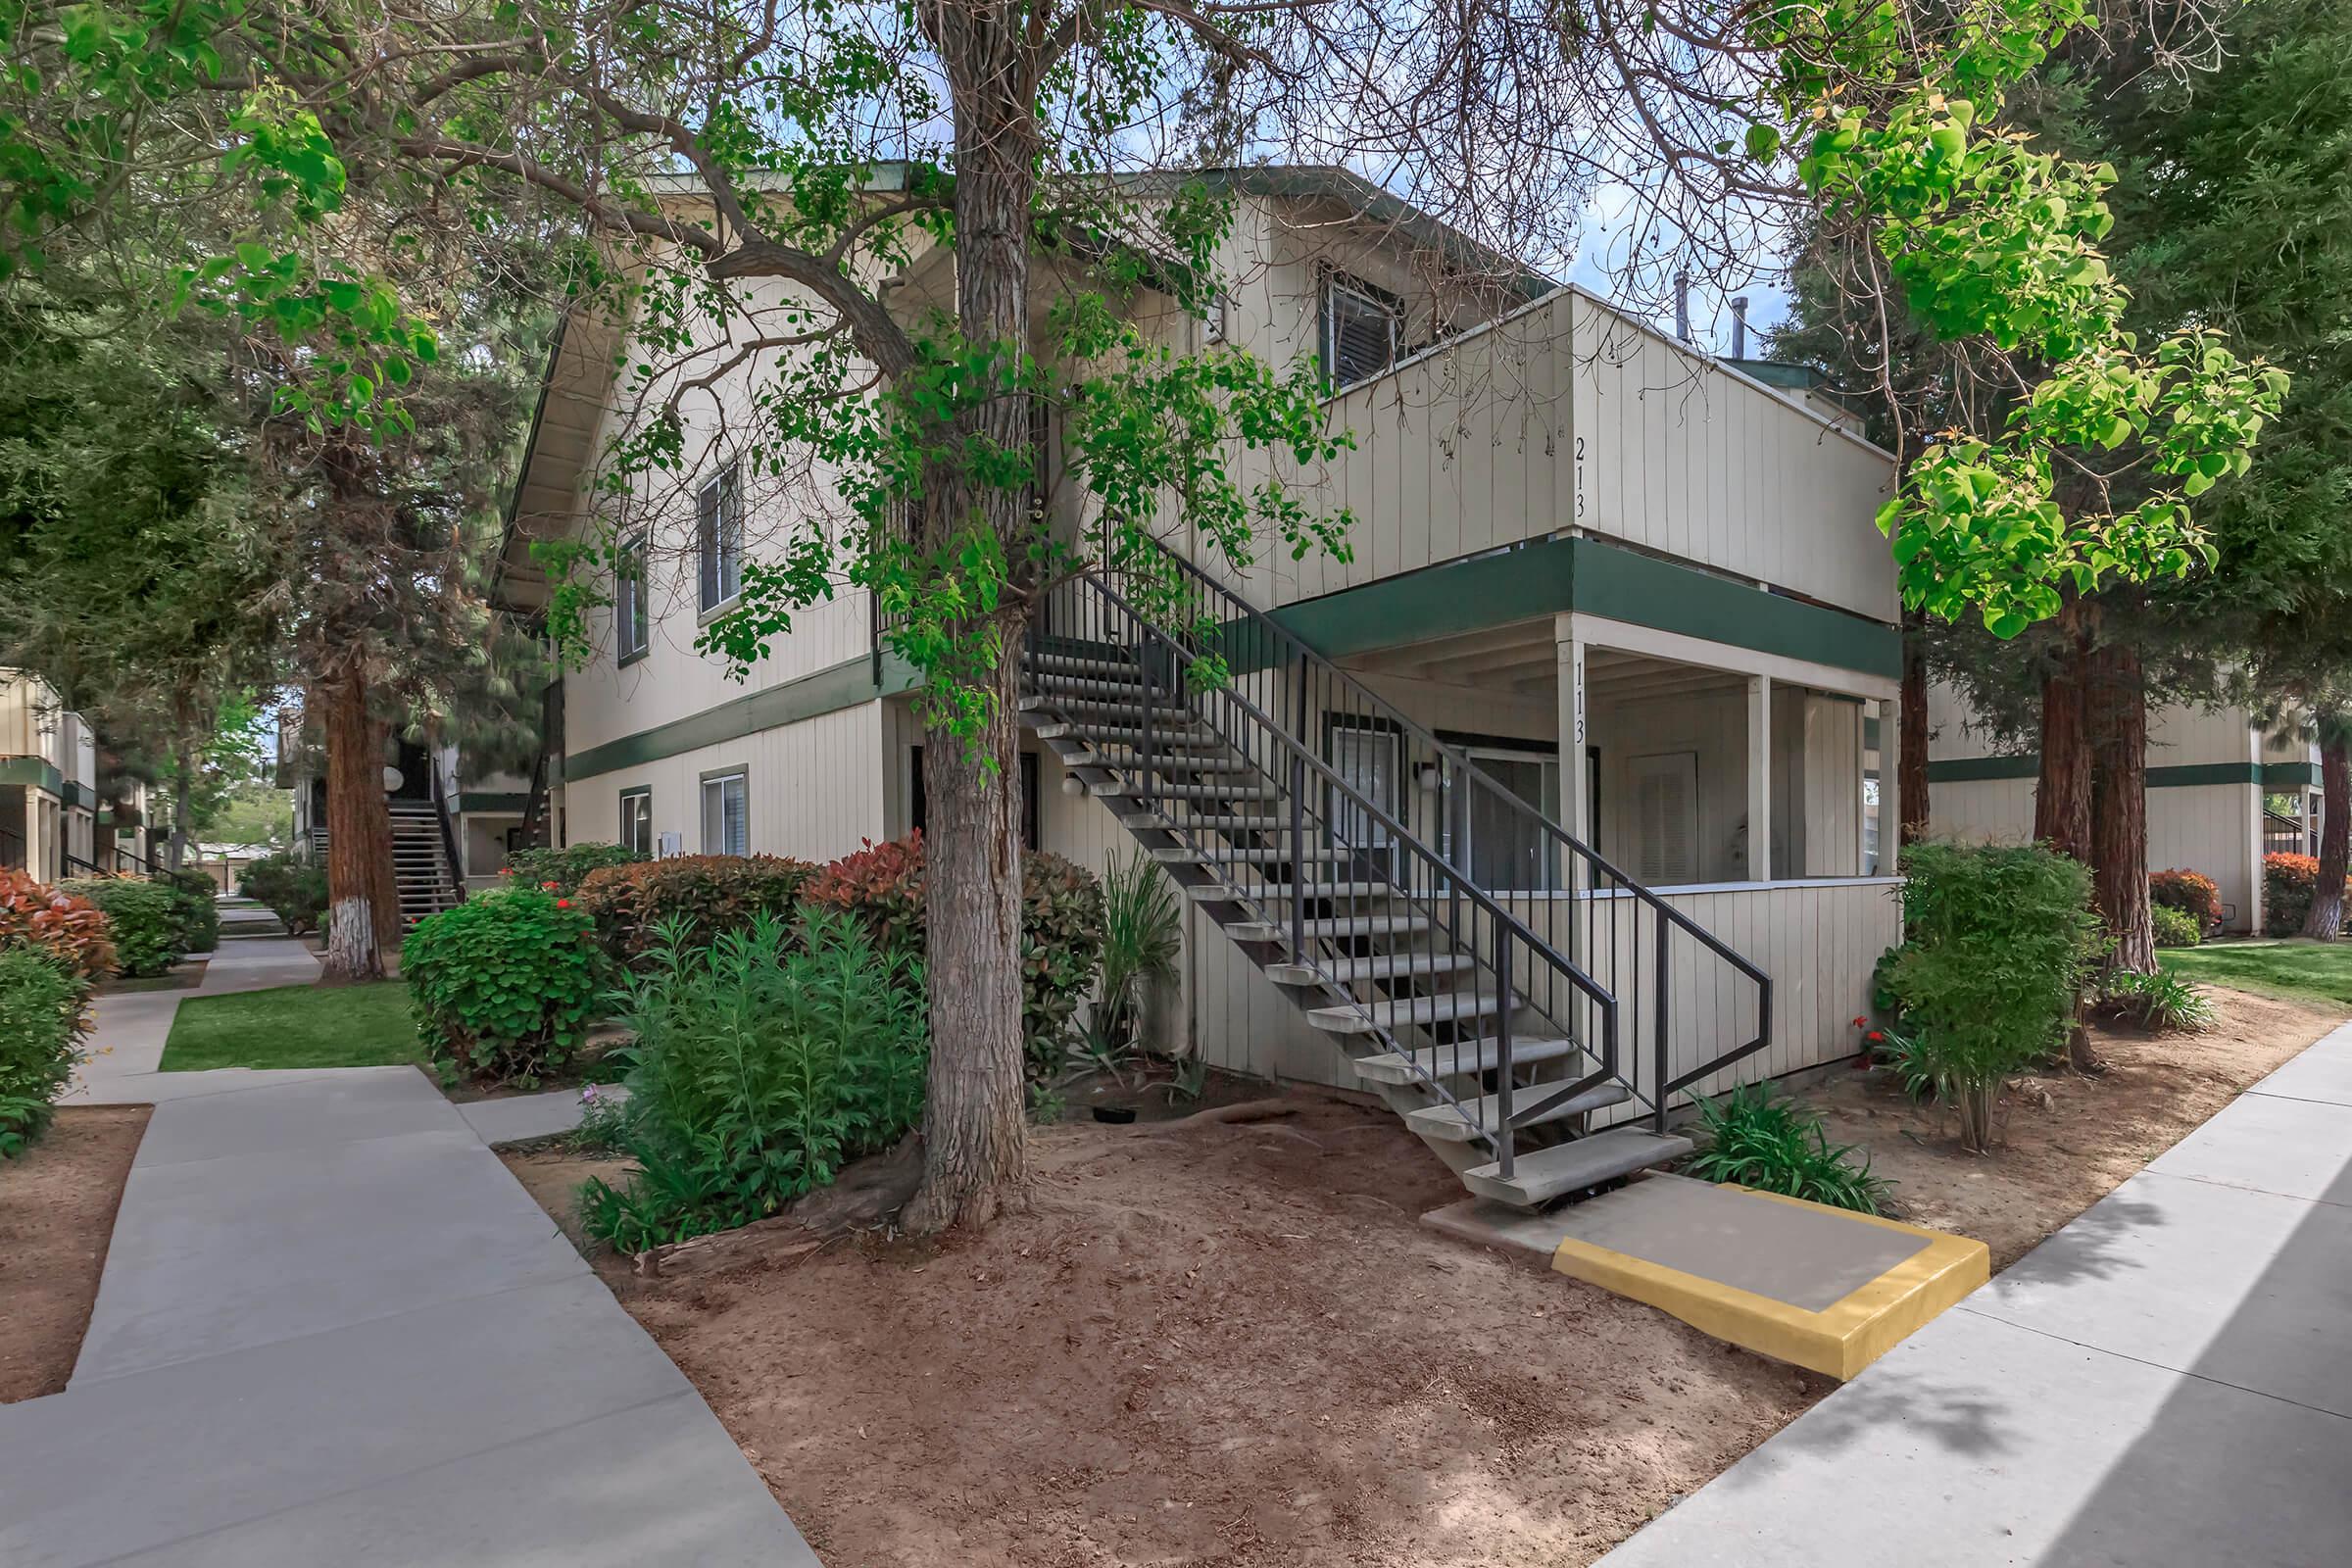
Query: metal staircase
<point>1490,976</point>
<point>424,861</point>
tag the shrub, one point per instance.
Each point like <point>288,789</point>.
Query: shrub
<point>295,889</point>
<point>713,894</point>
<point>566,868</point>
<point>1759,1138</point>
<point>1997,939</point>
<point>1062,929</point>
<point>145,920</point>
<point>42,1019</point>
<point>763,1067</point>
<point>504,985</point>
<point>2175,927</point>
<point>1143,935</point>
<point>69,929</point>
<point>2287,884</point>
<point>195,894</point>
<point>2161,1001</point>
<point>2193,894</point>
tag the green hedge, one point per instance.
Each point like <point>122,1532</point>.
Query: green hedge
<point>2175,928</point>
<point>504,985</point>
<point>195,894</point>
<point>566,868</point>
<point>1062,929</point>
<point>147,920</point>
<point>42,1017</point>
<point>713,894</point>
<point>295,889</point>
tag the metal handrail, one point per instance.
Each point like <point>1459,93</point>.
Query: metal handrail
<point>1300,764</point>
<point>449,837</point>
<point>1319,689</point>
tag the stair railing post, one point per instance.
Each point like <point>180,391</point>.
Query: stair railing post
<point>1143,768</point>
<point>1297,858</point>
<point>1503,1136</point>
<point>1658,1023</point>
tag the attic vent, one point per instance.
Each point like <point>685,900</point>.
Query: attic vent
<point>1360,325</point>
<point>1666,818</point>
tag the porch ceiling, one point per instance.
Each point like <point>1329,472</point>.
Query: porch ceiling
<point>1611,676</point>
<point>1522,658</point>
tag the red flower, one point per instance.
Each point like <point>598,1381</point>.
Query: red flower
<point>1875,1038</point>
<point>562,903</point>
<point>1861,1022</point>
<point>548,885</point>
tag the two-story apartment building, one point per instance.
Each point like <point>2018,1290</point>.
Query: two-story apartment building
<point>48,781</point>
<point>1554,804</point>
<point>2224,791</point>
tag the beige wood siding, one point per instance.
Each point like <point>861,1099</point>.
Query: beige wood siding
<point>814,788</point>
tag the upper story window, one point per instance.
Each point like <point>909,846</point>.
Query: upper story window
<point>718,538</point>
<point>1362,326</point>
<point>632,620</point>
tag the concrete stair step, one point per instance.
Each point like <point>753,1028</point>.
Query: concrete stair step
<point>1161,761</point>
<point>1403,1012</point>
<point>1080,665</point>
<point>1185,855</point>
<point>1467,1057</point>
<point>1328,928</point>
<point>1465,1121</point>
<point>1546,1174</point>
<point>1128,685</point>
<point>1282,893</point>
<point>1189,792</point>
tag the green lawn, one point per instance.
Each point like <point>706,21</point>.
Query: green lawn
<point>2300,971</point>
<point>296,1026</point>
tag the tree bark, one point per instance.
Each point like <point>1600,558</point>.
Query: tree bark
<point>2062,792</point>
<point>2116,702</point>
<point>1911,768</point>
<point>2326,921</point>
<point>975,1136</point>
<point>183,788</point>
<point>363,898</point>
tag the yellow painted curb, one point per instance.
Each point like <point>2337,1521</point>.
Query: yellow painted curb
<point>1839,1340</point>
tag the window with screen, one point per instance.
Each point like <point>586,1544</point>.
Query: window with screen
<point>718,535</point>
<point>637,821</point>
<point>726,814</point>
<point>632,621</point>
<point>1361,325</point>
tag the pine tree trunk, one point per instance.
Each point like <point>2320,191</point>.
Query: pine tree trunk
<point>1912,765</point>
<point>358,825</point>
<point>2117,716</point>
<point>2326,921</point>
<point>2062,792</point>
<point>975,1138</point>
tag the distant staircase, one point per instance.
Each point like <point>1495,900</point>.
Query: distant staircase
<point>425,864</point>
<point>1496,1023</point>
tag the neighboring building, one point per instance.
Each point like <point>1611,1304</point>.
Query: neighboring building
<point>1598,580</point>
<point>429,837</point>
<point>2222,794</point>
<point>48,782</point>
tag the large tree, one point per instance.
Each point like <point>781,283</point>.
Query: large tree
<point>766,175</point>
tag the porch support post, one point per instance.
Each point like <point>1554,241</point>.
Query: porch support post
<point>1759,778</point>
<point>1892,719</point>
<point>1576,803</point>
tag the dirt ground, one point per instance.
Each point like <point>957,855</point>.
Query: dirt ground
<point>1236,1345</point>
<point>2069,1142</point>
<point>1219,1344</point>
<point>57,1211</point>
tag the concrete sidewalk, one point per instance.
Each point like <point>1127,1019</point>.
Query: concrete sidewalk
<point>333,1329</point>
<point>2167,1381</point>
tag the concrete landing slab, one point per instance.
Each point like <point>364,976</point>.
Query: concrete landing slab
<point>1822,1287</point>
<point>520,1118</point>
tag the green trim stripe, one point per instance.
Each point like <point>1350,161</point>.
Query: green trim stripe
<point>495,801</point>
<point>1596,578</point>
<point>2177,775</point>
<point>838,686</point>
<point>38,772</point>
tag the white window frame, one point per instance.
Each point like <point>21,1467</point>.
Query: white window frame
<point>1337,285</point>
<point>632,616</point>
<point>630,819</point>
<point>718,540</point>
<point>1683,767</point>
<point>719,781</point>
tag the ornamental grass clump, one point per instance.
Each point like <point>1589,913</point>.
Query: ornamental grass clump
<point>1756,1137</point>
<point>765,1061</point>
<point>1998,943</point>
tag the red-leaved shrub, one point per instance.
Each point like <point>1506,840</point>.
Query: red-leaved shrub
<point>2287,883</point>
<point>69,929</point>
<point>2189,892</point>
<point>716,893</point>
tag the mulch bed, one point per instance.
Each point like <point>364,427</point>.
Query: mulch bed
<point>57,1213</point>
